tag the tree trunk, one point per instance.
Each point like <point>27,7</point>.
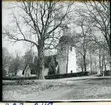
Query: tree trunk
<point>95,65</point>
<point>103,63</point>
<point>100,69</point>
<point>82,68</point>
<point>90,63</point>
<point>84,61</point>
<point>110,60</point>
<point>24,68</point>
<point>110,49</point>
<point>40,66</point>
<point>40,60</point>
<point>67,60</point>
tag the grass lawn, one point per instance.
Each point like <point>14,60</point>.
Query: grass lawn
<point>61,89</point>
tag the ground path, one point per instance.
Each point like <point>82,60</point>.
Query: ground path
<point>78,88</point>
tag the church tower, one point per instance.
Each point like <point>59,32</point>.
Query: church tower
<point>66,57</point>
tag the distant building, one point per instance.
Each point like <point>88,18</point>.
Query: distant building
<point>24,73</point>
<point>27,72</point>
<point>19,73</point>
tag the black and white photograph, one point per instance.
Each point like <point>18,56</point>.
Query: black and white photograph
<point>55,50</point>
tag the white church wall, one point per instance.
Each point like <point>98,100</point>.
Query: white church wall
<point>72,60</point>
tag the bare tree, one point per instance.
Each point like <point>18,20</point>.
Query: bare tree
<point>95,18</point>
<point>81,40</point>
<point>16,63</point>
<point>99,12</point>
<point>6,58</point>
<point>38,19</point>
<point>28,59</point>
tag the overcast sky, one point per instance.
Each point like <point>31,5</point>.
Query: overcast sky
<point>6,18</point>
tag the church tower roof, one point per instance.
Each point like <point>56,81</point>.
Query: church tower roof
<point>65,39</point>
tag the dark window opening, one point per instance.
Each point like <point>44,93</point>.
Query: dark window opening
<point>71,48</point>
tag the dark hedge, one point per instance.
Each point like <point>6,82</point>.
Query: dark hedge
<point>67,75</point>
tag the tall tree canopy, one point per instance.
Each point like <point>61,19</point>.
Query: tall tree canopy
<point>37,24</point>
